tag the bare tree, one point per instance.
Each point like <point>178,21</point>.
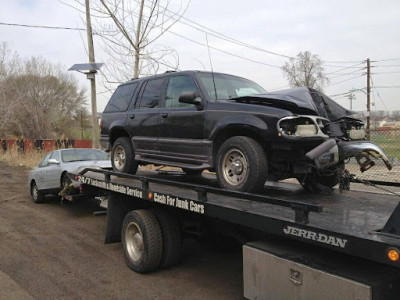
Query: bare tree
<point>305,70</point>
<point>8,64</point>
<point>129,30</point>
<point>395,115</point>
<point>38,99</point>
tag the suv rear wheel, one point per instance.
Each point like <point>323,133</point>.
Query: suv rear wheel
<point>122,156</point>
<point>241,165</point>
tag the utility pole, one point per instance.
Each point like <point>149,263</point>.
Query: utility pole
<point>351,97</point>
<point>95,124</point>
<point>368,100</point>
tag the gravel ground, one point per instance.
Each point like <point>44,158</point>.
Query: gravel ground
<point>54,251</point>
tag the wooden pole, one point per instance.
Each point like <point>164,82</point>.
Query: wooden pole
<point>91,77</point>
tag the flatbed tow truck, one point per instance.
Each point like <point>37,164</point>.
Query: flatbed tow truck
<point>296,245</point>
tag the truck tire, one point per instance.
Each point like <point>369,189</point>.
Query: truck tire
<point>242,165</point>
<point>37,196</point>
<point>123,156</point>
<point>142,241</point>
<point>171,237</point>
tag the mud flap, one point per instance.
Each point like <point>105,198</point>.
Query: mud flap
<point>118,207</point>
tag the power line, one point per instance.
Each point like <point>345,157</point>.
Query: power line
<point>217,49</point>
<point>181,36</point>
<point>388,87</point>
<point>223,51</point>
<point>350,67</point>
<point>228,38</point>
<point>379,96</point>
<point>349,92</point>
<point>217,34</point>
<point>389,59</point>
<point>386,73</point>
<point>349,73</point>
<point>385,66</point>
<point>345,80</point>
<point>42,26</point>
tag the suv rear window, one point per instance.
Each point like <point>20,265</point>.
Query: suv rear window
<point>121,98</point>
<point>151,93</point>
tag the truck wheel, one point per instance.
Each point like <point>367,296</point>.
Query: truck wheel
<point>241,165</point>
<point>122,156</point>
<point>192,171</point>
<point>171,237</point>
<point>142,241</point>
<point>37,196</point>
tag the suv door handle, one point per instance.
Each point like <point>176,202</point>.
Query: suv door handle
<point>132,116</point>
<point>164,115</point>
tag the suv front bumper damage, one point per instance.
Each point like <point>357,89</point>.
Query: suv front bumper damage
<point>362,151</point>
<point>331,152</point>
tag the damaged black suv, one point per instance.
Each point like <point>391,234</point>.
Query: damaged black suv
<point>201,120</point>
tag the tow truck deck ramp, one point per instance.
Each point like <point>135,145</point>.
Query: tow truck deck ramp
<point>350,225</point>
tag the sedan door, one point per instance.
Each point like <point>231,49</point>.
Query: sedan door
<point>181,136</point>
<point>40,172</point>
<point>52,175</point>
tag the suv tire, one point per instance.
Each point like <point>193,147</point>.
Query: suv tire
<point>241,165</point>
<point>122,156</point>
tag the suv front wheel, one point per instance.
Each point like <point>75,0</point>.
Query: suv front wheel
<point>241,165</point>
<point>123,156</point>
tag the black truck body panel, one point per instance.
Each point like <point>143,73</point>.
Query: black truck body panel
<point>348,223</point>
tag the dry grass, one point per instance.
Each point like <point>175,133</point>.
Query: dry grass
<point>29,159</point>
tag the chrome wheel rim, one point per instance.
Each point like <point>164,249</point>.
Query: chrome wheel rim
<point>235,167</point>
<point>134,241</point>
<point>119,157</point>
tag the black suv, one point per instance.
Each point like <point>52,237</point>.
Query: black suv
<point>201,120</point>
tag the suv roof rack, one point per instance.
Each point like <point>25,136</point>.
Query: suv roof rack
<point>170,71</point>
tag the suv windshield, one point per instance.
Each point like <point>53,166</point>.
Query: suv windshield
<point>83,154</point>
<point>228,86</point>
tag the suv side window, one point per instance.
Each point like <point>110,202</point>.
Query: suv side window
<point>151,93</point>
<point>177,85</point>
<point>121,98</point>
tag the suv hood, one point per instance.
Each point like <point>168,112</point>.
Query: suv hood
<point>300,100</point>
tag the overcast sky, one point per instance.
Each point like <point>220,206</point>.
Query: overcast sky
<point>342,33</point>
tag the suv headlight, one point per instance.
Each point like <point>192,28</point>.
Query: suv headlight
<point>302,126</point>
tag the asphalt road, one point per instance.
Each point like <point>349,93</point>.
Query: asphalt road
<point>54,251</point>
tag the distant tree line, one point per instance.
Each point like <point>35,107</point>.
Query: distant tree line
<point>38,99</point>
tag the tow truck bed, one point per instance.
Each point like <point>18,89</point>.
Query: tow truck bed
<point>360,224</point>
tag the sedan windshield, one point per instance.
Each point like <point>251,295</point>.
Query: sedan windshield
<point>83,154</point>
<point>227,86</point>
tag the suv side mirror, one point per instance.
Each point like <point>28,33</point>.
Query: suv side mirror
<point>53,161</point>
<point>191,98</point>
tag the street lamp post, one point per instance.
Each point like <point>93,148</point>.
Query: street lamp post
<point>90,70</point>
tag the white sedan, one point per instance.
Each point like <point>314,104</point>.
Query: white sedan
<point>50,176</point>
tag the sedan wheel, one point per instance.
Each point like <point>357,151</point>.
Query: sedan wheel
<point>37,196</point>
